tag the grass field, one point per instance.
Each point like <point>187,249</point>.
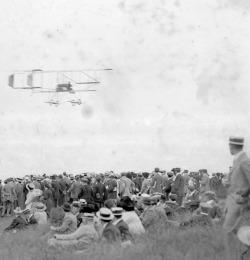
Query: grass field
<point>190,243</point>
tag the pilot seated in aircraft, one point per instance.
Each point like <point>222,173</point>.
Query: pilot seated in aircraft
<point>64,87</point>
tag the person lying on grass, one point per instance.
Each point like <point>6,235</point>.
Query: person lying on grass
<point>21,221</point>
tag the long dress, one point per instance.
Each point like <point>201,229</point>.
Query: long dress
<point>48,199</point>
<point>32,196</point>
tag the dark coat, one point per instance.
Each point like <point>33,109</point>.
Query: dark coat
<point>179,185</point>
<point>56,192</point>
<point>99,192</point>
<point>112,189</point>
<point>48,199</point>
<point>63,187</point>
<point>86,193</point>
<point>75,189</point>
<point>17,223</point>
<point>111,233</point>
<point>124,229</point>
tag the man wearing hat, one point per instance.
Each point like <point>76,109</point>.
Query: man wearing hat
<point>19,222</point>
<point>120,224</point>
<point>63,190</point>
<point>69,224</point>
<point>110,232</point>
<point>75,189</point>
<point>202,219</point>
<point>20,194</point>
<point>56,190</point>
<point>148,216</point>
<point>168,184</point>
<point>178,187</point>
<point>157,182</point>
<point>83,237</point>
<point>86,191</point>
<point>205,181</point>
<point>238,190</point>
<point>99,192</point>
<point>111,187</point>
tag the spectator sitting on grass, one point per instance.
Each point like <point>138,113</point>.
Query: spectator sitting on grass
<point>120,224</point>
<point>216,210</point>
<point>203,219</point>
<point>19,222</point>
<point>130,216</point>
<point>110,232</point>
<point>76,211</point>
<point>69,224</point>
<point>82,238</point>
<point>40,215</point>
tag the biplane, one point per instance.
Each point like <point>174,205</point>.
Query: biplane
<point>57,82</point>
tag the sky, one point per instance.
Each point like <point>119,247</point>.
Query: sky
<point>178,89</point>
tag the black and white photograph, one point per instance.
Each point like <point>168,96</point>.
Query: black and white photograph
<point>125,129</point>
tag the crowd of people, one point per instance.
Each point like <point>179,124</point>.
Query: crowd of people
<point>118,207</point>
<point>109,206</point>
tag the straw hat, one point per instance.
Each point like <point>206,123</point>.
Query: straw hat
<point>237,140</point>
<point>18,210</point>
<point>89,216</point>
<point>105,214</point>
<point>39,206</point>
<point>244,235</point>
<point>117,211</point>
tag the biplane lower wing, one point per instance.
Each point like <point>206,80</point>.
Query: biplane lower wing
<point>65,91</point>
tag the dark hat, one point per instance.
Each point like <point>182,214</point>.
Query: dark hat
<point>85,179</point>
<point>76,204</point>
<point>126,203</point>
<point>66,207</point>
<point>173,196</point>
<point>98,178</point>
<point>170,174</point>
<point>203,170</point>
<point>236,140</point>
<point>146,201</point>
<point>157,169</point>
<point>177,169</point>
<point>185,171</point>
<point>89,216</point>
<point>109,203</point>
<point>53,177</point>
<point>117,211</point>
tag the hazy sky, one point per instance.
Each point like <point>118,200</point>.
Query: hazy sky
<point>179,88</point>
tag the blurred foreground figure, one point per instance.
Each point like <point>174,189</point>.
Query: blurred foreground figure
<point>238,192</point>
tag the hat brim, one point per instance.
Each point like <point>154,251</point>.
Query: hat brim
<point>18,212</point>
<point>244,235</point>
<point>236,143</point>
<point>42,209</point>
<point>98,214</point>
